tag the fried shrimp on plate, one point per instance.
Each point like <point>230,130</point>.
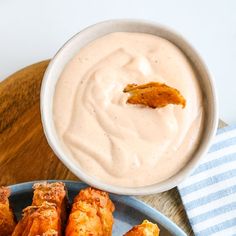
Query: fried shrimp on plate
<point>52,193</point>
<point>7,219</point>
<point>47,214</point>
<point>145,229</point>
<point>91,214</point>
<point>39,220</point>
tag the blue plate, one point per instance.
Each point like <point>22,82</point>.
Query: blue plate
<point>129,211</point>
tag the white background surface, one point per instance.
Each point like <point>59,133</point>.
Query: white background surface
<point>33,30</point>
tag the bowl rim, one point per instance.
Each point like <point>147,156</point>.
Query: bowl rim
<point>165,185</point>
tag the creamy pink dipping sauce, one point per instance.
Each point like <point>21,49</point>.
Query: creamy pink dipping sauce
<point>120,143</point>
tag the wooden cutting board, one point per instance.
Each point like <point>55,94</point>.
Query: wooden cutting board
<point>25,154</point>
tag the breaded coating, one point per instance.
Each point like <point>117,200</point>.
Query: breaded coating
<point>91,214</point>
<point>7,219</point>
<point>145,229</point>
<point>52,193</point>
<point>39,221</point>
<point>154,95</point>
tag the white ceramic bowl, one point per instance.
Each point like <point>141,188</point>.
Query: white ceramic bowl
<point>71,48</point>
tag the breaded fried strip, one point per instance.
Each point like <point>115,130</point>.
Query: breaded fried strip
<point>154,95</point>
<point>52,193</point>
<point>47,214</point>
<point>91,214</point>
<point>39,221</point>
<point>145,229</point>
<point>7,219</point>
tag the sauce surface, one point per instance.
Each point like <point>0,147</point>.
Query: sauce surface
<point>119,143</point>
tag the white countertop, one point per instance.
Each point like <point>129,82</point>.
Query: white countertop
<point>31,31</point>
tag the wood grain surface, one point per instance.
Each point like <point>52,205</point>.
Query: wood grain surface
<point>25,154</point>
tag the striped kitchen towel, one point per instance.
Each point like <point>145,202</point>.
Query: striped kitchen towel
<point>209,194</point>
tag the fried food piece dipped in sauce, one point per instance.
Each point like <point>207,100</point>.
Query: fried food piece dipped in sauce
<point>7,219</point>
<point>47,214</point>
<point>40,220</point>
<point>145,229</point>
<point>91,214</point>
<point>154,95</point>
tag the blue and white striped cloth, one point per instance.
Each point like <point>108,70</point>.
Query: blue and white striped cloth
<point>209,194</point>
